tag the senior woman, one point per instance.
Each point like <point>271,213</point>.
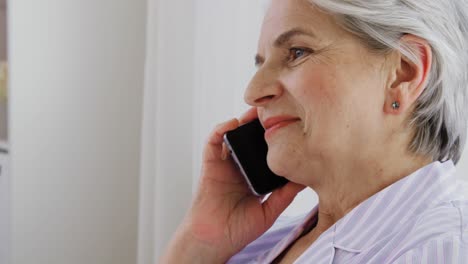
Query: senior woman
<point>370,101</point>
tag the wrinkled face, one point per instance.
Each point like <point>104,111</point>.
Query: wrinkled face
<point>319,91</point>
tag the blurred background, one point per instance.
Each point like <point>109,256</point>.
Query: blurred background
<point>104,110</point>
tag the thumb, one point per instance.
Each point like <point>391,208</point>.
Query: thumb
<point>279,200</point>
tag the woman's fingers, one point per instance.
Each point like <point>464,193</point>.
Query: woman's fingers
<point>248,116</point>
<point>214,149</point>
<point>225,152</point>
<point>216,136</point>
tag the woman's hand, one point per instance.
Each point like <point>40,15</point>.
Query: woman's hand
<point>225,216</point>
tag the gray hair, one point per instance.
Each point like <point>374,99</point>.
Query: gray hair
<point>439,119</point>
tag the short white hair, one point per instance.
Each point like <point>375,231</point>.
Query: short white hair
<point>440,116</point>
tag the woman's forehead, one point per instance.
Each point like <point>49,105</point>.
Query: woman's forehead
<point>286,15</point>
<point>280,8</point>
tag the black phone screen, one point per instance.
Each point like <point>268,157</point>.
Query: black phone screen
<point>249,150</point>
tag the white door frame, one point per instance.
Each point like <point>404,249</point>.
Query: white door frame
<point>166,158</point>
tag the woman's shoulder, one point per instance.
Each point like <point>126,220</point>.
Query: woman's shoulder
<point>442,229</point>
<point>439,234</point>
<point>448,213</point>
<point>448,219</point>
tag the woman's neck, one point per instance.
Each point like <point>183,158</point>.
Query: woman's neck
<point>341,190</point>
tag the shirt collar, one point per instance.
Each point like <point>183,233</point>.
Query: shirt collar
<point>272,254</point>
<point>389,209</point>
<point>380,214</point>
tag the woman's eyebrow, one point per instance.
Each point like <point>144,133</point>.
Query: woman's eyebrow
<point>284,38</point>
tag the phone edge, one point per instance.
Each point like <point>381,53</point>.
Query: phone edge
<point>239,165</point>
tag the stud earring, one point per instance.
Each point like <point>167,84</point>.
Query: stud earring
<point>395,105</point>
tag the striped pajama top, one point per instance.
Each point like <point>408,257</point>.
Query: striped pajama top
<point>421,218</point>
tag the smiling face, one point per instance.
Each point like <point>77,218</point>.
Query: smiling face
<point>327,85</point>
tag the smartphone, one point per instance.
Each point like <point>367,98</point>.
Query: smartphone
<point>249,149</point>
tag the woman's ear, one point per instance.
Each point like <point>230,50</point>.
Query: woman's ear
<point>409,78</point>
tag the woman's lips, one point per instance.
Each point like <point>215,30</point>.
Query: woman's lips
<point>274,124</point>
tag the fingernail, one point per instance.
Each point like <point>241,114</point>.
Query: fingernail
<point>223,155</point>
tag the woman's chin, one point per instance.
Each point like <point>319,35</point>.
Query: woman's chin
<point>279,164</point>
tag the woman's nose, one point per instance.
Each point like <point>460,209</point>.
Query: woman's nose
<point>262,89</point>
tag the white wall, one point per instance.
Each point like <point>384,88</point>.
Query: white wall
<point>3,27</point>
<point>3,57</point>
<point>462,166</point>
<point>5,203</point>
<point>3,119</point>
<point>76,92</point>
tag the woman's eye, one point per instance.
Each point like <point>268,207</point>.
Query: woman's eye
<point>296,53</point>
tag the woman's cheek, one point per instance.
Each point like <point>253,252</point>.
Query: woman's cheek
<point>313,84</point>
